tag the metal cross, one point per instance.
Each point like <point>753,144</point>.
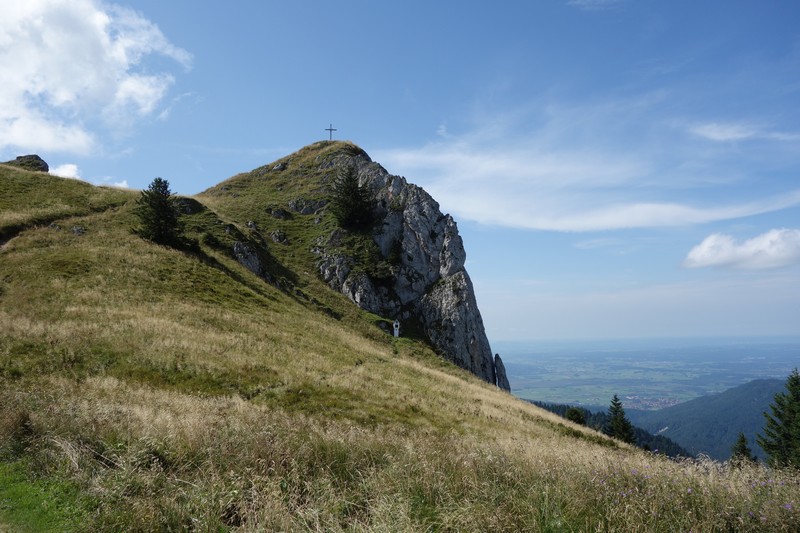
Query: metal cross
<point>330,129</point>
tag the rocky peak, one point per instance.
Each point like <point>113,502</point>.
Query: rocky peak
<point>426,283</point>
<point>30,162</point>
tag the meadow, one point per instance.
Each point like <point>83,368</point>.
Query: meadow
<point>144,388</point>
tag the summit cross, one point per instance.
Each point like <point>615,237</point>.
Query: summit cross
<point>330,129</point>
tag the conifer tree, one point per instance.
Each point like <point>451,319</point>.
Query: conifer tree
<point>577,415</point>
<point>157,214</point>
<point>781,439</point>
<point>618,426</point>
<point>351,203</point>
<point>741,452</point>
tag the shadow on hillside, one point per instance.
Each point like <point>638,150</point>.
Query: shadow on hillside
<point>206,230</point>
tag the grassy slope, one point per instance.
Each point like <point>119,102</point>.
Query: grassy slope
<point>145,388</point>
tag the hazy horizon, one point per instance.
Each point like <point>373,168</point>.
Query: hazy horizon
<point>646,373</point>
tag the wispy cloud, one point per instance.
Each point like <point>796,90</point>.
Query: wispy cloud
<point>586,168</point>
<point>594,5</point>
<point>733,131</point>
<point>603,242</point>
<point>68,65</point>
<point>773,249</point>
<point>715,131</point>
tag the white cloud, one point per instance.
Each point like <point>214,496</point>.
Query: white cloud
<point>585,168</point>
<point>715,131</point>
<point>733,131</point>
<point>67,170</point>
<point>71,170</point>
<point>71,66</point>
<point>773,249</point>
<point>561,191</point>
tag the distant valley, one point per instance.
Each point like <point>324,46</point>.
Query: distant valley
<point>699,393</point>
<point>647,374</point>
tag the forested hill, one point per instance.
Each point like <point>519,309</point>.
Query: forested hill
<point>644,439</point>
<point>711,424</point>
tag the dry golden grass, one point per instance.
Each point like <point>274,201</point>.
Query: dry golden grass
<point>178,391</point>
<point>170,458</point>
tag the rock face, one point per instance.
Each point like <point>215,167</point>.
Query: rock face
<point>30,162</point>
<point>420,278</point>
<point>500,369</point>
<point>248,257</point>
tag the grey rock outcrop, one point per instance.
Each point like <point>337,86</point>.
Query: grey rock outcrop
<point>248,257</point>
<point>30,162</point>
<point>421,278</point>
<point>500,369</point>
<point>306,207</point>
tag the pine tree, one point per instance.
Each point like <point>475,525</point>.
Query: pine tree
<point>741,452</point>
<point>781,439</point>
<point>576,414</point>
<point>618,426</point>
<point>157,214</point>
<point>351,203</point>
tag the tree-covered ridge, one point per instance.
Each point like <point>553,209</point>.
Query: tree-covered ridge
<point>711,424</point>
<point>599,420</point>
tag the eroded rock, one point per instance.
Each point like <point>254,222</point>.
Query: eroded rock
<point>30,162</point>
<point>421,249</point>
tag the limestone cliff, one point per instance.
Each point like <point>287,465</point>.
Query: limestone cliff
<point>421,278</point>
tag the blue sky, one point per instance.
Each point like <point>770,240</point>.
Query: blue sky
<point>617,168</point>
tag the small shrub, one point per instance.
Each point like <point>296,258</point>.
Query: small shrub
<point>574,414</point>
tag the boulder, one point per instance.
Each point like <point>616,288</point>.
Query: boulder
<point>279,237</point>
<point>30,162</point>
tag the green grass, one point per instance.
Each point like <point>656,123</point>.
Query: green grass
<point>35,198</point>
<point>36,505</point>
<point>144,388</point>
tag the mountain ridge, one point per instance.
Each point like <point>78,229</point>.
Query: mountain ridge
<point>149,388</point>
<point>409,265</point>
<point>710,424</point>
